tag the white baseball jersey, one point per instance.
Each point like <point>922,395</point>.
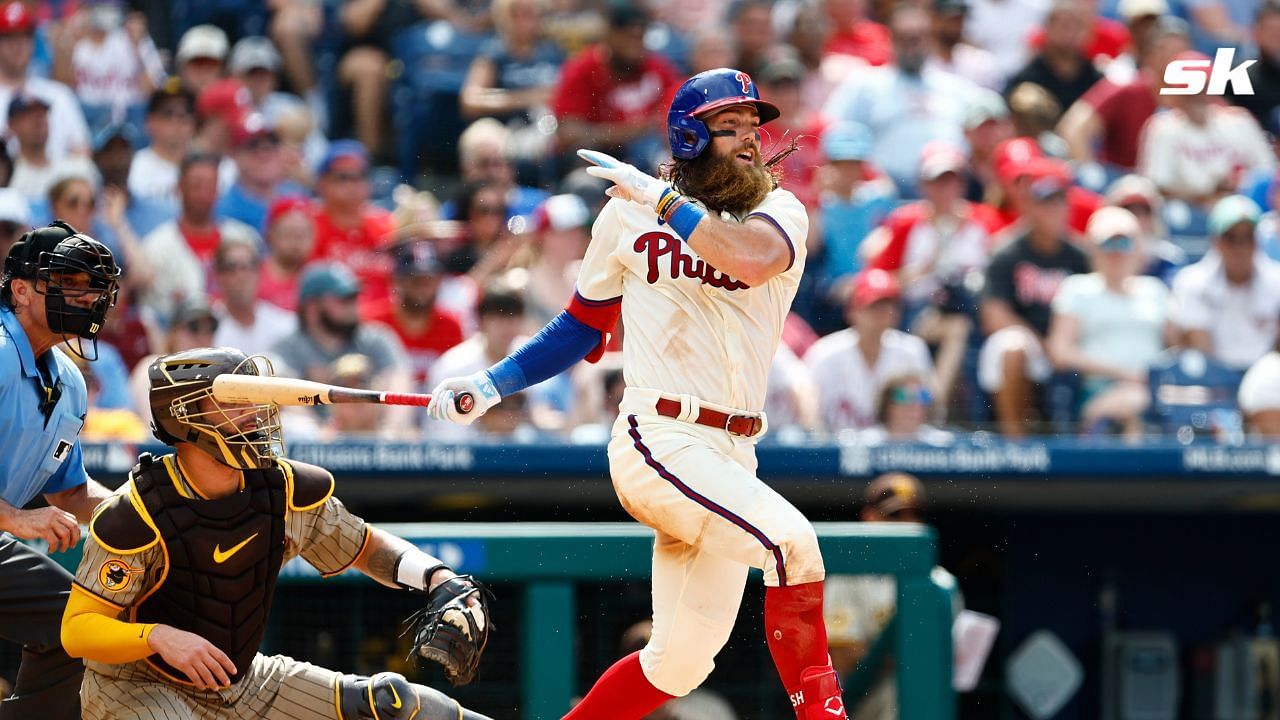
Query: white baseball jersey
<point>691,329</point>
<point>849,387</point>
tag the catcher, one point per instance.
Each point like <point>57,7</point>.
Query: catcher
<point>171,597</point>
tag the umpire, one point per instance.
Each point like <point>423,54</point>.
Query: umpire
<point>57,286</point>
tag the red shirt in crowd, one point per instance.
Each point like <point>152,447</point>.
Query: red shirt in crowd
<point>589,90</point>
<point>1123,109</point>
<point>1108,39</point>
<point>1081,204</point>
<point>867,39</point>
<point>363,248</point>
<point>278,290</point>
<point>442,331</point>
<point>203,244</point>
<point>979,224</point>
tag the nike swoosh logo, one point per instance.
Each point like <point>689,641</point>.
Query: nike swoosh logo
<point>220,557</point>
<point>395,705</point>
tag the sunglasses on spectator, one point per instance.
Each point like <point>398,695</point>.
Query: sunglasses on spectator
<point>79,201</point>
<point>346,177</point>
<point>175,114</point>
<point>201,326</point>
<point>230,267</point>
<point>263,143</point>
<point>1138,208</point>
<point>1116,244</point>
<point>910,394</point>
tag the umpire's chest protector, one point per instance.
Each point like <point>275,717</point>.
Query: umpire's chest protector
<point>222,559</point>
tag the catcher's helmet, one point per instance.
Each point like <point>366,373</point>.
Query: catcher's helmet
<point>52,256</point>
<point>705,93</point>
<point>183,409</point>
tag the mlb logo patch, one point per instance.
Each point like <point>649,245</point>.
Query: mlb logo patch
<point>62,451</point>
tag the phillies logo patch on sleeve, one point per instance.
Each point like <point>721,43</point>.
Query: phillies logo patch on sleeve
<point>116,575</point>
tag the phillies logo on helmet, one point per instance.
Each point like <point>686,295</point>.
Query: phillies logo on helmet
<point>744,80</point>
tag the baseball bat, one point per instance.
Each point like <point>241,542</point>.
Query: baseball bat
<point>260,389</point>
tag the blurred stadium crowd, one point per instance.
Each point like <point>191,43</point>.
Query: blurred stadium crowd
<point>1011,228</point>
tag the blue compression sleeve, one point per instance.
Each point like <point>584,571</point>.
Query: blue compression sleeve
<point>556,348</point>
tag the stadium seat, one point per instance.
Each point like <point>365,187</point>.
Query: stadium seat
<point>1193,395</point>
<point>1188,228</point>
<point>434,58</point>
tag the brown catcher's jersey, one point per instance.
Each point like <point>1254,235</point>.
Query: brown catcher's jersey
<point>691,329</point>
<point>163,553</point>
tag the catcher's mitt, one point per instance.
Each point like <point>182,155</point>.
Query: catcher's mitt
<point>451,632</point>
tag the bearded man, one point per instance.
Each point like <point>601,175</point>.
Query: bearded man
<point>702,266</point>
<point>329,327</point>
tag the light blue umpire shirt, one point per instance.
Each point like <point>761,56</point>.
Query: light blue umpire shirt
<point>37,454</point>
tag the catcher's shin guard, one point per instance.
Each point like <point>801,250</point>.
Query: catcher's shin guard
<point>385,696</point>
<point>820,696</point>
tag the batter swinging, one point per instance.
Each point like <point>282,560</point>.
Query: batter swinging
<point>702,266</point>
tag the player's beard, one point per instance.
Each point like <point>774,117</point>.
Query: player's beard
<point>721,182</point>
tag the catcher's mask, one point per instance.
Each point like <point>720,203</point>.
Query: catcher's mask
<point>78,277</point>
<point>183,409</point>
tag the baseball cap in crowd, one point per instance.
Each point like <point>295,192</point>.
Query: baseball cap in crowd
<point>227,99</point>
<point>171,88</point>
<point>873,285</point>
<point>1231,211</point>
<point>1133,189</point>
<point>353,369</point>
<point>1113,228</point>
<point>984,106</point>
<point>846,141</point>
<point>251,127</point>
<point>784,69</point>
<point>416,257</point>
<point>15,18</point>
<point>14,208</point>
<point>286,204</point>
<point>622,14</point>
<point>894,493</point>
<point>1049,178</point>
<point>327,278</point>
<point>939,157</point>
<point>202,41</point>
<point>561,212</point>
<point>192,311</point>
<point>951,7</point>
<point>344,152</point>
<point>1133,9</point>
<point>123,130</point>
<point>1011,158</point>
<point>253,53</point>
<point>23,101</point>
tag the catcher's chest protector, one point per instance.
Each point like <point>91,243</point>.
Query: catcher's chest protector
<point>223,557</point>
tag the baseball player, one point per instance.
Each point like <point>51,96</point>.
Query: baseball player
<point>57,287</point>
<point>702,266</point>
<point>171,598</point>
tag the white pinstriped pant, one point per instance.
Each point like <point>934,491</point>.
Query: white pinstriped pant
<point>714,519</point>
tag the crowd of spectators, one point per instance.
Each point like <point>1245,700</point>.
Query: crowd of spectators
<point>1011,227</point>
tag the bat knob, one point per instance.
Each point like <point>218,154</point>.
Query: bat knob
<point>464,403</point>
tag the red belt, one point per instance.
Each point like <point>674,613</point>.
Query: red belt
<point>742,425</point>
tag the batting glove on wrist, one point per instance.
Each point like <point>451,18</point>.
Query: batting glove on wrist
<point>483,394</point>
<point>628,182</point>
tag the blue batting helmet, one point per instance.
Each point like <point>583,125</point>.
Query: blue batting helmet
<point>705,93</point>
